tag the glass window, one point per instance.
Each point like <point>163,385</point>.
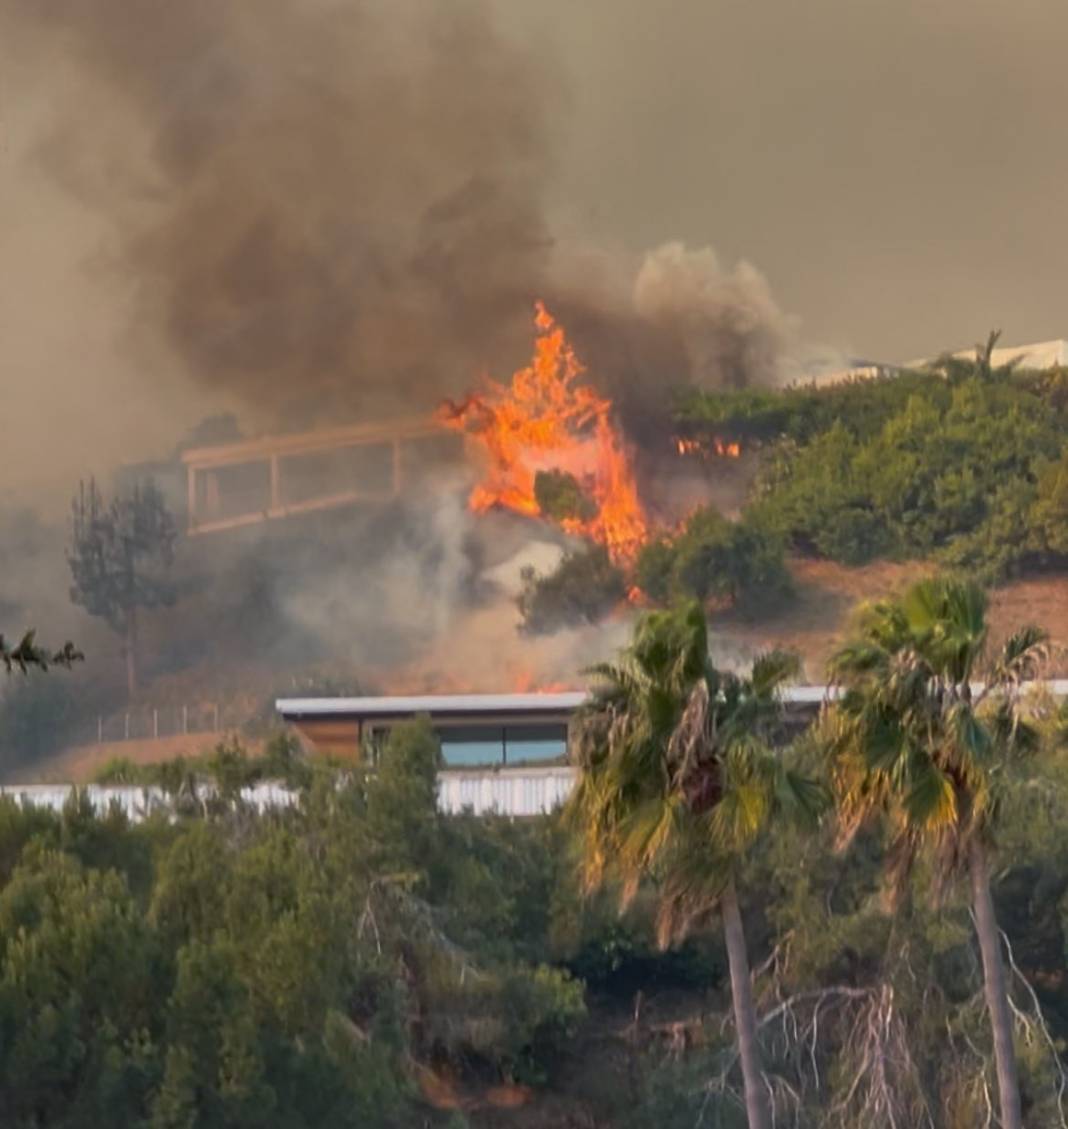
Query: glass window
<point>472,745</point>
<point>532,744</point>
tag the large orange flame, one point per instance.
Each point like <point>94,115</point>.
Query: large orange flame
<point>547,419</point>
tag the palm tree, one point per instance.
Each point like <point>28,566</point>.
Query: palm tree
<point>915,738</point>
<point>25,654</point>
<point>677,782</point>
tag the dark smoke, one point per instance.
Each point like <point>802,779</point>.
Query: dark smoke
<point>304,212</point>
<point>341,202</point>
<point>340,207</point>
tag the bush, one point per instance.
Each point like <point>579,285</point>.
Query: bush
<point>123,771</point>
<point>585,587</point>
<point>1049,514</point>
<point>560,497</point>
<point>964,471</point>
<point>713,558</point>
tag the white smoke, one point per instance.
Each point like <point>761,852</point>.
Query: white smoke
<point>734,331</point>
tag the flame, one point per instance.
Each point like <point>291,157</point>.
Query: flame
<point>527,682</point>
<point>546,419</point>
<point>716,447</point>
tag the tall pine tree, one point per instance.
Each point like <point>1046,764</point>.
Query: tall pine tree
<point>120,559</point>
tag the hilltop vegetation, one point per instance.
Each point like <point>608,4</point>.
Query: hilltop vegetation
<point>964,464</point>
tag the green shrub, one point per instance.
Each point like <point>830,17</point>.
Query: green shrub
<point>952,473</point>
<point>714,558</point>
<point>122,770</point>
<point>560,497</point>
<point>585,587</point>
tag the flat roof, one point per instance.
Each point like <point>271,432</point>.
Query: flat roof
<point>440,704</point>
<point>473,705</point>
<point>444,705</point>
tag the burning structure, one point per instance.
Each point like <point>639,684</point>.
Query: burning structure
<point>546,443</point>
<point>547,422</point>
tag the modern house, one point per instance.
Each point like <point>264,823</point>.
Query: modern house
<point>505,753</point>
<point>476,730</point>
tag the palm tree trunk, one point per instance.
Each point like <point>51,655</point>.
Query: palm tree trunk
<point>997,1000</point>
<point>756,1105</point>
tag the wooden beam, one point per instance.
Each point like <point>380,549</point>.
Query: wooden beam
<point>348,498</point>
<point>256,450</point>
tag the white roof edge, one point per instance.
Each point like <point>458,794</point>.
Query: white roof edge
<point>388,706</point>
<point>430,703</point>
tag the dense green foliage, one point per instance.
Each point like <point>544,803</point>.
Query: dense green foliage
<point>963,464</point>
<point>584,588</point>
<point>285,969</point>
<point>309,968</point>
<point>926,732</point>
<point>738,563</point>
<point>360,959</point>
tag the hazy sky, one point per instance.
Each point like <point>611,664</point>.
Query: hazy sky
<point>895,167</point>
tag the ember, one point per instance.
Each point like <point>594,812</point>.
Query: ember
<point>715,447</point>
<point>546,420</point>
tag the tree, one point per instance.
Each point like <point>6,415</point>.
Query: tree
<point>713,558</point>
<point>76,999</point>
<point>583,588</point>
<point>678,781</point>
<point>915,739</point>
<point>120,558</point>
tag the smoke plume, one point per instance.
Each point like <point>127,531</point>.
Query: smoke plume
<point>305,212</point>
<point>324,204</point>
<point>732,329</point>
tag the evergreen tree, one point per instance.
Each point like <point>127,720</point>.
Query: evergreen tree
<point>120,558</point>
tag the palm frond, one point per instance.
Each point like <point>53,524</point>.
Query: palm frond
<point>930,803</point>
<point>801,797</point>
<point>771,670</point>
<point>26,654</point>
<point>972,740</point>
<point>692,880</point>
<point>1022,656</point>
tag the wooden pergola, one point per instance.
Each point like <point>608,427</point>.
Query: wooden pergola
<point>278,476</point>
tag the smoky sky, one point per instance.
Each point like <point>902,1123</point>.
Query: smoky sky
<point>316,203</point>
<point>303,209</point>
<point>895,168</point>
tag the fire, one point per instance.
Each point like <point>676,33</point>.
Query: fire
<point>546,419</point>
<point>527,682</point>
<point>716,447</point>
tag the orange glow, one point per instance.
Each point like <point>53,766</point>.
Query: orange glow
<point>715,447</point>
<point>527,682</point>
<point>547,419</point>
